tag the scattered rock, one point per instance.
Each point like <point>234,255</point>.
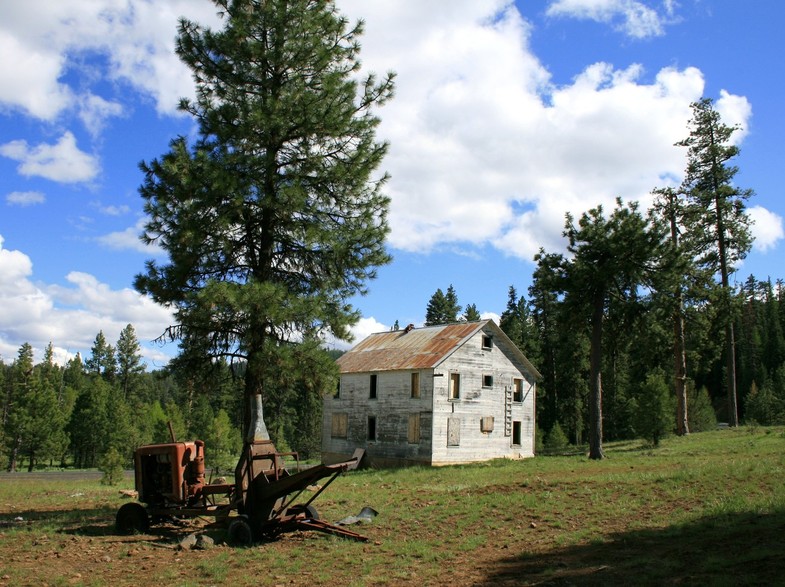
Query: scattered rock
<point>187,543</point>
<point>218,481</point>
<point>204,542</point>
<point>533,525</point>
<point>129,493</point>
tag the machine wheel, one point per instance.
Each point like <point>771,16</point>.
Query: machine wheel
<point>239,532</point>
<point>132,518</point>
<point>309,510</point>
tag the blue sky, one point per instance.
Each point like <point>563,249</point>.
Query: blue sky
<point>507,115</point>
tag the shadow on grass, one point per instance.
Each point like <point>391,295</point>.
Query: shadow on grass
<point>727,549</point>
<point>93,522</point>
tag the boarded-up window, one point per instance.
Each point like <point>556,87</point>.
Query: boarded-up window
<point>455,386</point>
<point>340,425</point>
<point>486,424</point>
<point>414,428</point>
<point>453,431</point>
<point>415,384</point>
<point>517,393</point>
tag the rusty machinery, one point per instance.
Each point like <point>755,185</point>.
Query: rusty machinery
<point>265,500</point>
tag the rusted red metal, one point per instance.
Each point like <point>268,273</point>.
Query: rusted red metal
<point>408,349</point>
<point>170,481</point>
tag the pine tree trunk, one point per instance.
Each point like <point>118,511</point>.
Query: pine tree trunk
<point>733,410</point>
<point>14,456</point>
<point>595,401</point>
<point>680,370</point>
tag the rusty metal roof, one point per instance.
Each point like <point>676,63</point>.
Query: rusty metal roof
<point>419,348</point>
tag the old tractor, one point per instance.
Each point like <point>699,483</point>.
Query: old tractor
<point>265,500</point>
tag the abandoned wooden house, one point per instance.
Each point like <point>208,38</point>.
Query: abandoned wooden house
<point>437,395</point>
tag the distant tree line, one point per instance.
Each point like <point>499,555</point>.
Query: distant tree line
<point>74,415</point>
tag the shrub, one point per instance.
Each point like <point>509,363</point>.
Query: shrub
<point>655,408</point>
<point>700,413</point>
<point>556,439</point>
<point>111,465</point>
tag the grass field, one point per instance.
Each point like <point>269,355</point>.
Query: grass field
<point>708,509</point>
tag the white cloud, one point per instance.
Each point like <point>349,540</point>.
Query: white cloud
<point>113,210</point>
<point>94,110</point>
<point>484,149</point>
<point>364,328</point>
<point>25,198</point>
<point>28,77</point>
<point>70,316</point>
<point>734,111</point>
<point>40,40</point>
<point>128,240</point>
<point>632,17</point>
<point>61,162</point>
<point>767,228</point>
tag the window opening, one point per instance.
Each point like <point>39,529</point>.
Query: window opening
<point>371,428</point>
<point>516,433</point>
<point>455,385</point>
<point>517,394</point>
<point>372,393</point>
<point>415,385</point>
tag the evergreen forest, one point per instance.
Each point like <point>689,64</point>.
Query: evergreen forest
<point>73,415</point>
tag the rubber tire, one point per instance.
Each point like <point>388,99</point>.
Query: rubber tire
<point>239,532</point>
<point>132,518</point>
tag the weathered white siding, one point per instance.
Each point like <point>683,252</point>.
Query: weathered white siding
<point>473,364</point>
<point>392,409</point>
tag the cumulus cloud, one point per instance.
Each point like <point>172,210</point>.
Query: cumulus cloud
<point>364,328</point>
<point>70,315</point>
<point>128,240</point>
<point>485,149</point>
<point>632,17</point>
<point>25,198</point>
<point>39,40</point>
<point>767,228</point>
<point>734,111</point>
<point>62,162</point>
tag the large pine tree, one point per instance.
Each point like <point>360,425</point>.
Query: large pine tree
<point>612,258</point>
<point>718,224</point>
<point>274,216</point>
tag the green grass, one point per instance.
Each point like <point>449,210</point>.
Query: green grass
<point>705,509</point>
